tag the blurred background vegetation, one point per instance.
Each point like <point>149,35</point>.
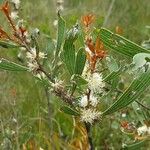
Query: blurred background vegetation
<point>24,117</point>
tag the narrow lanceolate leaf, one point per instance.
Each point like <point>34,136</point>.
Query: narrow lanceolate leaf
<point>8,44</point>
<point>11,66</point>
<point>80,61</point>
<point>69,111</point>
<point>135,146</point>
<point>113,75</point>
<point>79,80</point>
<point>69,56</point>
<point>120,44</point>
<point>136,88</point>
<point>60,33</point>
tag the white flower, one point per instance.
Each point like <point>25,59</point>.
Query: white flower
<point>55,23</point>
<point>13,132</point>
<point>36,32</point>
<point>42,55</point>
<point>60,8</point>
<point>142,130</point>
<point>123,115</point>
<point>75,30</point>
<point>33,66</point>
<point>14,120</point>
<point>40,75</point>
<point>32,54</point>
<point>90,115</point>
<point>14,15</point>
<point>57,84</point>
<point>93,101</point>
<point>17,3</point>
<point>84,101</point>
<point>96,83</point>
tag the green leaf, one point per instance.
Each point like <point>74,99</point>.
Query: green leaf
<point>8,44</point>
<point>120,44</point>
<point>135,146</point>
<point>80,61</point>
<point>113,75</point>
<point>69,111</point>
<point>69,56</point>
<point>79,80</point>
<point>60,34</point>
<point>136,88</point>
<point>11,66</point>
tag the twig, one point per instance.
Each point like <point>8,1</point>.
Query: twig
<point>88,128</point>
<point>142,105</point>
<point>60,92</point>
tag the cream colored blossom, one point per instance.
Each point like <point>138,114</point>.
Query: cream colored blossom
<point>42,55</point>
<point>143,130</point>
<point>90,115</point>
<point>33,66</point>
<point>14,15</point>
<point>40,75</point>
<point>16,3</point>
<point>55,23</point>
<point>93,101</point>
<point>96,83</point>
<point>57,84</point>
<point>84,101</point>
<point>32,54</point>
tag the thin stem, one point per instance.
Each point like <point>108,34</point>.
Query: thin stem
<point>88,128</point>
<point>142,105</point>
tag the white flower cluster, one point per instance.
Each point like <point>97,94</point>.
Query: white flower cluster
<point>16,3</point>
<point>32,54</point>
<point>33,66</point>
<point>32,62</point>
<point>90,115</point>
<point>96,83</point>
<point>89,103</point>
<point>60,5</point>
<point>143,130</point>
<point>92,101</point>
<point>57,84</point>
<point>14,14</point>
